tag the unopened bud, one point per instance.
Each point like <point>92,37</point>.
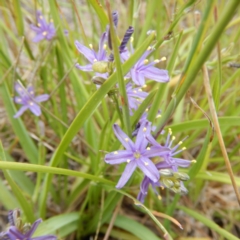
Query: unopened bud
<point>98,80</point>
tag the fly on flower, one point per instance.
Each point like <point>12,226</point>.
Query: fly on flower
<point>28,100</point>
<point>43,29</point>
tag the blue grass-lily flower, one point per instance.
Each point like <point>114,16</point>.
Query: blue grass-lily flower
<point>94,57</point>
<point>169,159</point>
<point>143,69</point>
<point>14,233</point>
<point>28,100</point>
<point>43,29</point>
<point>136,154</point>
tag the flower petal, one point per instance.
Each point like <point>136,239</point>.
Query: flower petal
<point>123,138</point>
<point>39,37</point>
<point>42,98</point>
<point>141,141</point>
<point>156,151</point>
<point>145,185</point>
<point>14,234</point>
<point>127,173</point>
<point>20,111</point>
<point>148,168</point>
<point>141,197</point>
<point>19,89</point>
<point>88,53</point>
<point>118,157</point>
<point>86,68</point>
<point>101,51</point>
<point>35,109</point>
<point>156,74</point>
<point>182,162</point>
<point>33,228</point>
<point>162,165</point>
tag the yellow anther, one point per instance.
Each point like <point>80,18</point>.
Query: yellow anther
<point>146,163</point>
<point>159,197</point>
<point>116,152</point>
<point>162,187</point>
<point>44,33</point>
<point>51,20</point>
<point>91,46</point>
<point>159,115</point>
<point>193,161</point>
<point>180,143</point>
<point>146,61</point>
<point>173,138</point>
<point>126,139</point>
<point>95,60</point>
<point>148,148</point>
<point>41,17</point>
<point>144,86</point>
<point>163,59</point>
<point>156,60</point>
<point>140,90</point>
<point>39,24</point>
<point>105,46</point>
<point>146,110</point>
<point>131,39</point>
<point>31,103</point>
<point>128,160</point>
<point>149,48</point>
<point>184,148</point>
<point>144,129</point>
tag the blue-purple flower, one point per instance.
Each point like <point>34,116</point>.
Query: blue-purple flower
<point>14,233</point>
<point>135,97</point>
<point>136,154</point>
<point>43,29</point>
<point>96,59</point>
<point>28,100</point>
<point>143,69</point>
<point>169,159</point>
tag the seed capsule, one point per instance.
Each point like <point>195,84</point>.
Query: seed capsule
<point>100,67</point>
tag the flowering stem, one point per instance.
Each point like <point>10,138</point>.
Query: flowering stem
<point>122,87</point>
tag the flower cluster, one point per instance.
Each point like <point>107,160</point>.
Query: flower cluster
<point>101,64</point>
<point>139,154</point>
<point>20,231</point>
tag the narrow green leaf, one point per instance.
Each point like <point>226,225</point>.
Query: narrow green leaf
<point>209,223</point>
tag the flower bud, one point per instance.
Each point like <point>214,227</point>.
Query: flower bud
<point>98,80</point>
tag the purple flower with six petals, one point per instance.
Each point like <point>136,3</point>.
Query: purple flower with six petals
<point>169,160</point>
<point>136,154</point>
<point>92,56</point>
<point>43,29</point>
<point>13,233</point>
<point>28,100</point>
<point>143,69</point>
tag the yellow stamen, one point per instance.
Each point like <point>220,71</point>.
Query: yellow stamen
<point>193,161</point>
<point>184,148</point>
<point>39,24</point>
<point>131,39</point>
<point>148,148</point>
<point>91,46</point>
<point>144,129</point>
<point>41,17</point>
<point>126,139</point>
<point>145,61</point>
<point>156,60</point>
<point>44,33</point>
<point>128,160</point>
<point>180,143</point>
<point>116,152</point>
<point>159,115</point>
<point>173,138</point>
<point>146,163</point>
<point>104,46</point>
<point>149,48</point>
<point>144,85</point>
<point>159,197</point>
<point>140,90</point>
<point>163,59</point>
<point>31,103</point>
<point>146,110</point>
